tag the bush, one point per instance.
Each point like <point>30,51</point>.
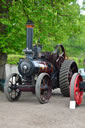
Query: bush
<point>14,59</point>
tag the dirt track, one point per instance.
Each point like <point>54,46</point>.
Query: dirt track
<point>28,113</point>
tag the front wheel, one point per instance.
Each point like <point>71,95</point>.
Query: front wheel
<point>76,94</point>
<point>10,89</point>
<point>43,88</point>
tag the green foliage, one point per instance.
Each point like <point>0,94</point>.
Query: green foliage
<point>14,59</point>
<point>56,21</point>
<point>75,46</point>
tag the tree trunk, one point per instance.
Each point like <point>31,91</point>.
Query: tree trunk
<point>3,59</point>
<point>3,56</point>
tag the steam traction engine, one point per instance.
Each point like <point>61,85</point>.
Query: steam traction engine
<point>40,72</point>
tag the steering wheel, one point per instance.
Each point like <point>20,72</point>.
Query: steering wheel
<point>60,52</point>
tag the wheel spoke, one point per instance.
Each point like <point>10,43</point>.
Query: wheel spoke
<point>43,83</point>
<point>11,90</point>
<point>45,87</point>
<point>76,89</point>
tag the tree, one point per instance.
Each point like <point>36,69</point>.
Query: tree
<point>3,56</point>
<point>76,42</point>
<point>55,21</point>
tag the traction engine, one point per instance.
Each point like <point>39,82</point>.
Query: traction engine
<point>40,72</point>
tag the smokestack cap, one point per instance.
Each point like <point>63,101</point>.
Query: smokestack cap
<point>30,22</point>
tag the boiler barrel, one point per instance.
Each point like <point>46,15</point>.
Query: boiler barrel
<point>43,66</point>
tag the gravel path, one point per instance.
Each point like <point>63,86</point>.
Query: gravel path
<point>29,113</point>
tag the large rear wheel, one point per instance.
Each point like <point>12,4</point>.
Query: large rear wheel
<point>68,68</point>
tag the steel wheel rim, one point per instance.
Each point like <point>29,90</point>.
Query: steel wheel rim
<point>78,95</point>
<point>45,93</point>
<point>13,91</point>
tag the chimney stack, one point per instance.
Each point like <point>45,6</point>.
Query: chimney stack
<point>29,26</point>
